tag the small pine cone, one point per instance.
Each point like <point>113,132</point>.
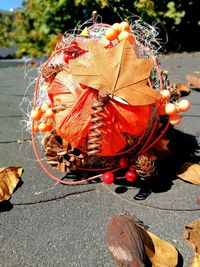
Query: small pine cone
<point>145,167</point>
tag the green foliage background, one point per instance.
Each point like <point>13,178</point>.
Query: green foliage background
<point>34,27</point>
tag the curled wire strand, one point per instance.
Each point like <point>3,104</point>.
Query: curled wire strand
<point>95,135</point>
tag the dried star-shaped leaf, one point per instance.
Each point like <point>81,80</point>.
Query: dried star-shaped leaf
<point>116,70</point>
<point>160,252</point>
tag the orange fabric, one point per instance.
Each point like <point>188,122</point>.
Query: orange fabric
<point>118,119</point>
<point>121,119</point>
<point>72,127</point>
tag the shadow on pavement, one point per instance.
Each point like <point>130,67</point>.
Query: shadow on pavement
<point>5,206</point>
<point>184,148</point>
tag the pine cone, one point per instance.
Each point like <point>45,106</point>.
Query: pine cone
<point>59,157</point>
<point>145,167</point>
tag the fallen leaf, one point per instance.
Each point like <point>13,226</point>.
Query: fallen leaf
<point>196,261</point>
<point>9,177</point>
<point>193,80</point>
<point>182,88</point>
<point>190,172</point>
<point>125,241</point>
<point>192,235</point>
<point>160,252</point>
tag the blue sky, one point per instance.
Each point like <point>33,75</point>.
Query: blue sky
<point>8,4</point>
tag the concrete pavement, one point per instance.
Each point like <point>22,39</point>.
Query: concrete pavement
<point>50,224</point>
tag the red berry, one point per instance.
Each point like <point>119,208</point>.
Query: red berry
<point>108,177</point>
<point>131,176</point>
<point>132,168</point>
<point>123,163</point>
<point>67,57</point>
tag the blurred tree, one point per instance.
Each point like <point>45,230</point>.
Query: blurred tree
<point>178,20</point>
<point>6,26</point>
<point>41,21</point>
<point>36,26</point>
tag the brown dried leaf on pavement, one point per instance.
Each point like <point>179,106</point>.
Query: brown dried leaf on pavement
<point>196,261</point>
<point>9,177</point>
<point>193,80</point>
<point>192,235</point>
<point>190,172</point>
<point>160,252</point>
<point>182,88</point>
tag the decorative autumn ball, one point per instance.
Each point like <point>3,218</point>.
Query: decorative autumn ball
<point>101,100</point>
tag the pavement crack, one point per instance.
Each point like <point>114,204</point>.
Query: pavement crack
<point>150,206</point>
<point>54,198</point>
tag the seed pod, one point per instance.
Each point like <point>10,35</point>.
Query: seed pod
<point>125,241</point>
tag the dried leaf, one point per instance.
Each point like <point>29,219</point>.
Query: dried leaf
<point>196,261</point>
<point>192,235</point>
<point>182,88</point>
<point>160,252</point>
<point>9,177</point>
<point>116,70</point>
<point>125,241</point>
<point>190,172</point>
<point>193,80</point>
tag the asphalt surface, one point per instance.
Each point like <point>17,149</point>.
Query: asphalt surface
<point>49,224</point>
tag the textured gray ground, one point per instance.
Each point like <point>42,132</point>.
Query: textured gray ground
<point>55,225</point>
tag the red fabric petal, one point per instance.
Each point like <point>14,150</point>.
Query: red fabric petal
<point>119,119</point>
<point>73,127</point>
